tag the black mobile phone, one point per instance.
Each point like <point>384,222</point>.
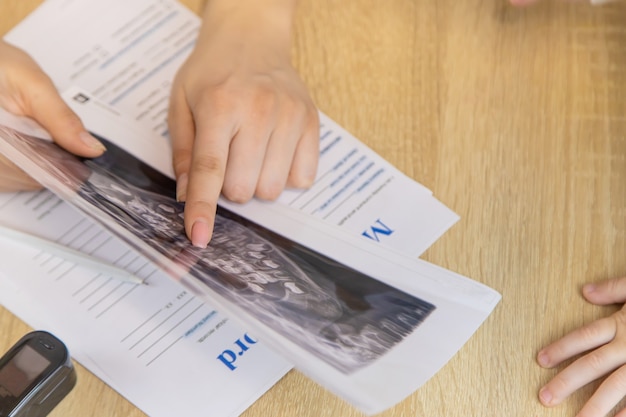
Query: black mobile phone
<point>35,375</point>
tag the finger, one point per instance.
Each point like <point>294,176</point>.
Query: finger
<point>608,394</point>
<point>280,153</point>
<point>273,176</point>
<point>45,105</point>
<point>610,291</point>
<point>580,340</point>
<point>182,133</point>
<point>584,370</point>
<point>304,166</point>
<point>206,173</point>
<point>248,150</point>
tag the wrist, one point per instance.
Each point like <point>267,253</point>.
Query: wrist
<point>259,20</point>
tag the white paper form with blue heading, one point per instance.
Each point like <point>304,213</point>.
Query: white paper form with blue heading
<point>444,300</point>
<point>157,336</point>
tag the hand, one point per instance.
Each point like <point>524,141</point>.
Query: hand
<point>241,120</point>
<point>26,90</point>
<point>605,342</point>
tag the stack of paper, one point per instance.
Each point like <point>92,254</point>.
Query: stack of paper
<point>317,279</point>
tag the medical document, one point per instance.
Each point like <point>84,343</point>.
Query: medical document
<point>164,340</point>
<point>350,314</point>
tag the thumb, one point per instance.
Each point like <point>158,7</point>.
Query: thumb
<point>46,106</point>
<point>610,291</point>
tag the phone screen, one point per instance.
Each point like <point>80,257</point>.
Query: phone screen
<point>20,372</point>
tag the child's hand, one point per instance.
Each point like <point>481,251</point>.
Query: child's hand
<point>241,120</point>
<point>26,91</point>
<point>605,339</point>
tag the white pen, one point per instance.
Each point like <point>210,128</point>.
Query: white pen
<point>68,254</point>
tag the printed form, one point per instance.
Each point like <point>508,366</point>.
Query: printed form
<point>157,342</point>
<point>451,302</point>
<point>150,343</point>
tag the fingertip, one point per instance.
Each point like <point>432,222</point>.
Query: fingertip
<point>200,233</point>
<point>596,293</point>
<point>199,216</point>
<point>238,191</point>
<point>76,140</point>
<point>589,290</point>
<point>606,292</point>
<point>303,178</point>
<point>545,397</point>
<point>93,146</point>
<point>45,105</point>
<point>269,190</point>
<point>543,359</point>
<point>305,163</point>
<point>304,168</point>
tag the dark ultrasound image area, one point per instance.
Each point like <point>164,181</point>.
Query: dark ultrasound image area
<point>343,316</point>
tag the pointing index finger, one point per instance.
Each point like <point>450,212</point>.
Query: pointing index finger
<point>206,176</point>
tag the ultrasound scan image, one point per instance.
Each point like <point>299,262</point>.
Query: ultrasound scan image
<point>343,316</point>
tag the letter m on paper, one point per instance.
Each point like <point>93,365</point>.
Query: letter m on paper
<point>377,230</point>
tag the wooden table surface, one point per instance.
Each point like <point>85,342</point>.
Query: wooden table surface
<point>516,119</point>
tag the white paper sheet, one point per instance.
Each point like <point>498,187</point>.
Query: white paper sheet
<point>116,365</point>
<point>124,60</point>
<point>347,326</point>
<point>157,344</point>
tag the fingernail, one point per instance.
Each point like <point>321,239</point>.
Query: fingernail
<point>543,359</point>
<point>589,288</point>
<point>92,142</point>
<point>181,188</point>
<point>545,396</point>
<point>200,234</point>
<point>310,176</point>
